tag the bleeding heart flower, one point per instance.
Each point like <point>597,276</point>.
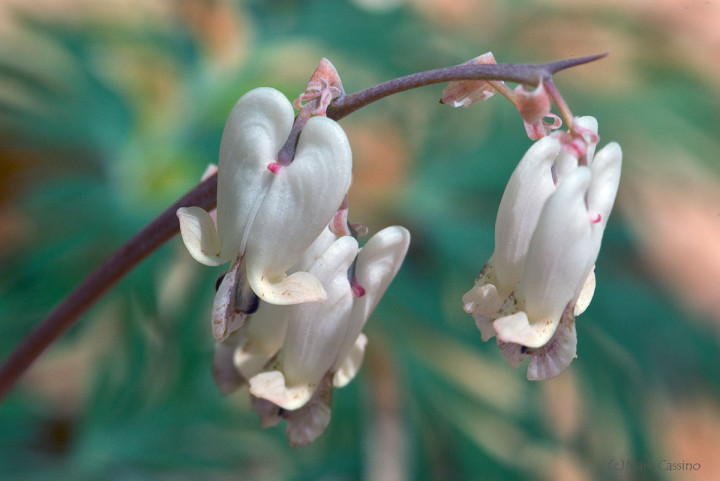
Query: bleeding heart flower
<point>267,218</point>
<point>548,233</point>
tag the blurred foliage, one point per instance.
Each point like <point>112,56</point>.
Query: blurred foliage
<point>111,110</point>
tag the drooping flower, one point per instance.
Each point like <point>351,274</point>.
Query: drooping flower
<point>247,351</point>
<point>313,335</point>
<point>291,356</point>
<point>267,218</point>
<point>534,180</point>
<point>547,238</point>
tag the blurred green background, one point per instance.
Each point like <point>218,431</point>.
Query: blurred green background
<point>111,109</point>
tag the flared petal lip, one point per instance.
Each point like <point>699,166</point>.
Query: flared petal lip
<point>517,328</point>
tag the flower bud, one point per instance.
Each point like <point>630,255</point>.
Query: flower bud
<point>463,93</point>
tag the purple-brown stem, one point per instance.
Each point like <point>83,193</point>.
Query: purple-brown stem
<point>560,103</point>
<point>204,195</point>
<point>287,152</point>
<point>522,73</point>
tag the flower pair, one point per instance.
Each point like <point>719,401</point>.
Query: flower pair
<point>547,238</point>
<point>291,356</point>
<point>290,310</point>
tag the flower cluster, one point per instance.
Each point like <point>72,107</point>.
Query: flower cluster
<point>547,237</point>
<point>289,313</point>
<point>290,310</point>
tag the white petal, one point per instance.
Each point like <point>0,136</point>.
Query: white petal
<point>299,204</point>
<point>566,162</point>
<point>605,181</point>
<point>314,333</point>
<point>482,300</point>
<point>316,249</point>
<point>316,330</point>
<point>586,294</point>
<point>559,259</point>
<point>517,329</point>
<point>260,339</point>
<point>377,264</point>
<point>590,123</point>
<point>256,129</point>
<point>282,289</point>
<point>271,385</point>
<point>530,185</point>
<point>351,365</point>
<point>199,235</point>
<point>249,364</point>
<point>483,303</point>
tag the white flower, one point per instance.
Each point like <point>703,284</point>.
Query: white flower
<point>314,333</point>
<point>248,350</point>
<point>548,234</point>
<point>266,220</point>
<point>315,345</point>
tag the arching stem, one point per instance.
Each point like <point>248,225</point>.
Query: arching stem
<point>204,195</point>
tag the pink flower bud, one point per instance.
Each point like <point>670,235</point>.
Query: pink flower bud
<point>324,87</point>
<point>534,106</point>
<point>463,93</point>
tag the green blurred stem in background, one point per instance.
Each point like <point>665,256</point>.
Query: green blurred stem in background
<point>204,195</point>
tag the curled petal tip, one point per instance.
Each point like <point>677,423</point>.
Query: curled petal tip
<point>271,386</point>
<point>200,236</point>
<point>296,288</point>
<point>586,294</point>
<point>482,301</point>
<point>614,151</point>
